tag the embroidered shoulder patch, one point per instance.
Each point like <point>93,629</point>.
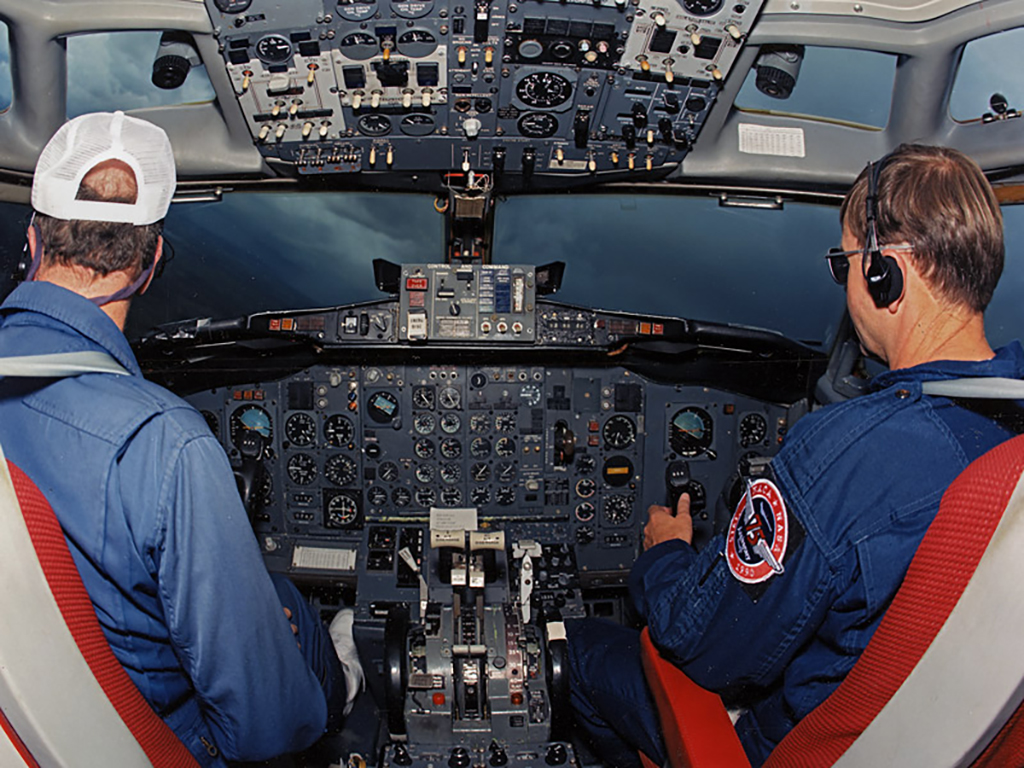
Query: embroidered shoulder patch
<point>759,534</point>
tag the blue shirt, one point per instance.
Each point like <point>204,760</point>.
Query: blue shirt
<point>151,512</point>
<point>860,482</point>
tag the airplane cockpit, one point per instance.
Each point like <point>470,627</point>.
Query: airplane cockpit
<point>464,286</point>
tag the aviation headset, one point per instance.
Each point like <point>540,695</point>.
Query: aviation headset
<point>883,274</point>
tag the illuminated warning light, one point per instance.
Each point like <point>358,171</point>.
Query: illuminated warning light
<point>416,284</point>
<point>645,329</point>
<point>287,324</point>
<point>516,699</point>
<point>275,325</point>
<point>617,471</point>
<point>438,699</point>
<point>658,329</point>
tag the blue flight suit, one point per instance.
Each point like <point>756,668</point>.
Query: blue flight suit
<point>859,482</point>
<point>152,515</point>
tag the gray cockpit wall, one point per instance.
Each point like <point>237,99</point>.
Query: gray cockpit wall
<point>213,143</point>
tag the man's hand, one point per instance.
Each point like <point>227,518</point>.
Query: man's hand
<point>295,629</point>
<point>663,525</point>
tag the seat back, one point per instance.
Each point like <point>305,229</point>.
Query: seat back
<point>65,700</point>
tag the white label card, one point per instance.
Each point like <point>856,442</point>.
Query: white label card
<point>767,140</point>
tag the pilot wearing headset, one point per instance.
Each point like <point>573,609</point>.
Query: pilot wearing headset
<point>143,491</point>
<point>774,612</point>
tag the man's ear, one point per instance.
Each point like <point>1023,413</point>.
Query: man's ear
<point>156,260</point>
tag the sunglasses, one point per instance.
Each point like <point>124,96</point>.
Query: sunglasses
<point>839,260</point>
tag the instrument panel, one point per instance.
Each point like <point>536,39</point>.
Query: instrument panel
<point>493,86</point>
<point>356,456</point>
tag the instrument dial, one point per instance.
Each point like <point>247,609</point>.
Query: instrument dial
<point>586,464</point>
<point>423,398</point>
<point>505,471</point>
<point>480,448</point>
<point>702,7</point>
<point>505,422</point>
<point>544,90</point>
<point>480,471</point>
<point>423,423</point>
<point>691,431</point>
<point>377,496</point>
<point>338,431</point>
<point>480,495</point>
<point>538,125</point>
<point>617,471</point>
<point>356,10</point>
<point>340,469</point>
<point>425,473</point>
<point>388,472</point>
<point>506,446</point>
<point>506,495</point>
<point>450,423</point>
<point>341,511</point>
<point>250,417</point>
<point>451,448</point>
<point>301,469</point>
<point>530,394</point>
<point>479,423</point>
<point>273,49</point>
<point>753,429</point>
<point>451,496</point>
<point>619,432</point>
<point>424,448</point>
<point>618,509</point>
<point>382,407</point>
<point>374,125</point>
<point>585,488</point>
<point>300,429</point>
<point>426,497</point>
<point>232,6</point>
<point>449,398</point>
<point>451,473</point>
<point>585,511</point>
<point>401,496</point>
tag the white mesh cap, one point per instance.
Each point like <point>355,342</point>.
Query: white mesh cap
<point>88,140</point>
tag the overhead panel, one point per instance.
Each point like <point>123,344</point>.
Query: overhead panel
<point>558,89</point>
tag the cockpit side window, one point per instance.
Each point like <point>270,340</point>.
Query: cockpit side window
<point>990,67</point>
<point>5,69</point>
<point>844,84</point>
<point>115,70</point>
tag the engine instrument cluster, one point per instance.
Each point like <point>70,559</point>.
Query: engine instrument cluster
<point>494,86</point>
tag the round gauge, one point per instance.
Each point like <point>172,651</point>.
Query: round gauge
<point>417,124</point>
<point>702,7</point>
<point>690,432</point>
<point>423,398</point>
<point>698,496</point>
<point>586,464</point>
<point>374,125</point>
<point>388,472</point>
<point>449,398</point>
<point>753,429</point>
<point>451,448</point>
<point>505,471</point>
<point>451,496</point>
<point>506,495</point>
<point>250,417</point>
<point>478,380</point>
<point>401,497</point>
<point>585,511</point>
<point>585,488</point>
<point>530,394</point>
<point>425,497</point>
<point>506,446</point>
<point>544,90</point>
<point>300,429</point>
<point>563,49</point>
<point>425,473</point>
<point>412,9</point>
<point>377,496</point>
<point>212,422</point>
<point>424,448</point>
<point>480,495</point>
<point>338,431</point>
<point>450,423</point>
<point>480,448</point>
<point>382,407</point>
<point>340,469</point>
<point>619,432</point>
<point>302,469</point>
<point>356,10</point>
<point>423,423</point>
<point>341,512</point>
<point>273,49</point>
<point>617,509</point>
<point>505,422</point>
<point>479,423</point>
<point>617,471</point>
<point>359,46</point>
<point>232,6</point>
<point>538,125</point>
<point>416,43</point>
<point>530,49</point>
<point>480,471</point>
<point>451,473</point>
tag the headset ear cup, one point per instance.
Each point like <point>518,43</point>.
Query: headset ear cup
<point>885,279</point>
<point>895,289</point>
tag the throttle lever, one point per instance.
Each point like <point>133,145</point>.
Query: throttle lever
<point>677,480</point>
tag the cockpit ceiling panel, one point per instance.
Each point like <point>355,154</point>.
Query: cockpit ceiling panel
<point>888,10</point>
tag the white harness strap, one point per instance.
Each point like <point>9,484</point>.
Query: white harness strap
<point>61,364</point>
<point>991,388</point>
